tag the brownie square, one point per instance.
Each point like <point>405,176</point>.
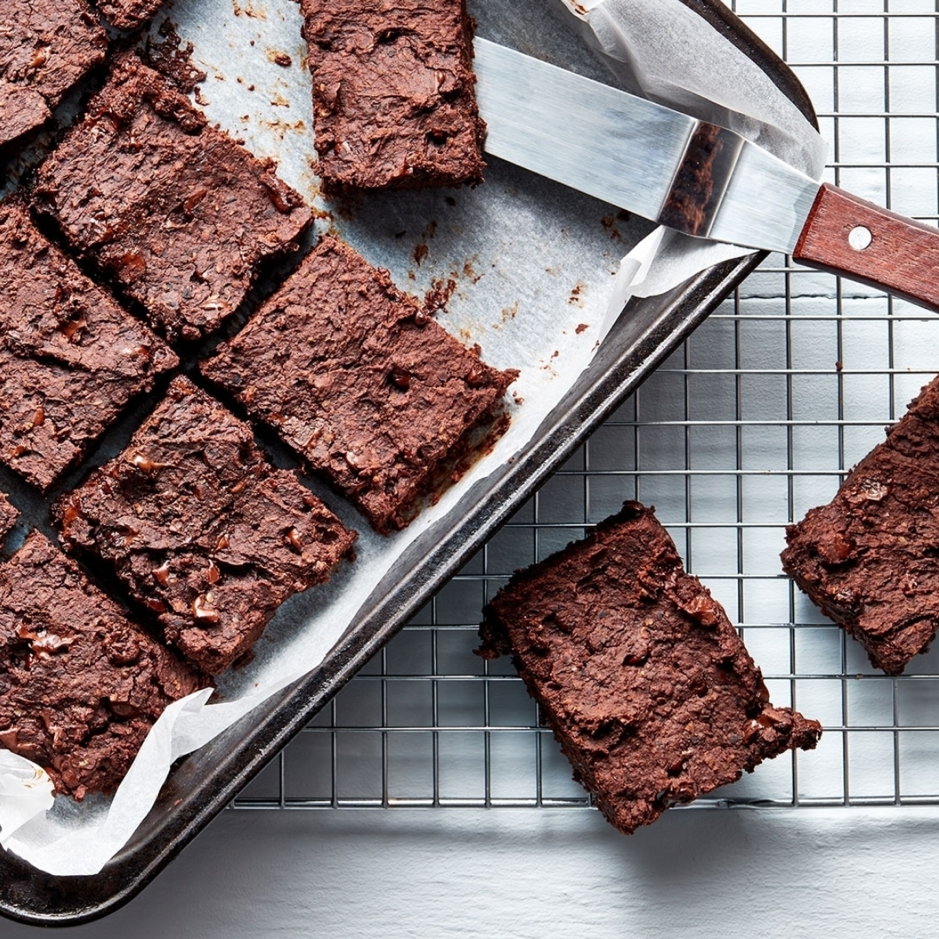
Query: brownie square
<point>80,684</point>
<point>70,357</point>
<point>8,516</point>
<point>393,93</point>
<point>173,210</point>
<point>868,558</point>
<point>202,529</point>
<point>128,14</point>
<point>638,671</point>
<point>46,46</point>
<point>359,381</point>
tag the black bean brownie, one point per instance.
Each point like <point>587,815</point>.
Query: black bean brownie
<point>202,529</point>
<point>128,14</point>
<point>174,211</point>
<point>646,684</point>
<point>71,359</point>
<point>357,379</point>
<point>46,46</point>
<point>80,684</point>
<point>394,99</point>
<point>868,558</point>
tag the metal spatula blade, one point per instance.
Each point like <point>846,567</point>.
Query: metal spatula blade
<point>633,153</point>
<point>690,175</point>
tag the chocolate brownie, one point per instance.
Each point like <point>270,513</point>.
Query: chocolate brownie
<point>393,93</point>
<point>46,46</point>
<point>8,516</point>
<point>80,684</point>
<point>202,529</point>
<point>359,381</point>
<point>868,558</point>
<point>128,14</point>
<point>174,211</point>
<point>638,671</point>
<point>70,357</point>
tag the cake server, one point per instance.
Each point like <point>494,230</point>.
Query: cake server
<point>693,176</point>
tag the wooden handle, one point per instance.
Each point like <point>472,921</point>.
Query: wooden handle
<point>850,236</point>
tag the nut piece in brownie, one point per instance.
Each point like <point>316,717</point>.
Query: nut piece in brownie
<point>646,684</point>
<point>202,529</point>
<point>80,684</point>
<point>128,14</point>
<point>354,376</point>
<point>8,516</point>
<point>46,46</point>
<point>868,558</point>
<point>173,210</point>
<point>393,93</point>
<point>70,357</point>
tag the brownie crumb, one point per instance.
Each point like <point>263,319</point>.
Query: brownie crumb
<point>8,516</point>
<point>644,681</point>
<point>393,94</point>
<point>202,529</point>
<point>360,382</point>
<point>173,57</point>
<point>46,46</point>
<point>179,215</point>
<point>71,359</point>
<point>868,558</point>
<point>80,684</point>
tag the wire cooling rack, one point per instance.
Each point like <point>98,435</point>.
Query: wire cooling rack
<point>749,424</point>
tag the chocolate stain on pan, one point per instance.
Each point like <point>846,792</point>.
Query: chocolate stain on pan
<point>421,250</point>
<point>247,10</point>
<point>470,272</point>
<point>279,58</point>
<point>577,292</point>
<point>439,294</point>
<point>347,205</point>
<point>282,128</point>
<point>609,223</point>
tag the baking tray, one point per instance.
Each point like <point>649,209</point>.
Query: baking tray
<point>753,420</point>
<point>207,781</point>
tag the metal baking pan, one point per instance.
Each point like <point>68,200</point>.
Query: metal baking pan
<point>205,782</point>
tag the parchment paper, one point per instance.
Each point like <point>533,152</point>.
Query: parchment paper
<point>658,50</point>
<point>530,272</point>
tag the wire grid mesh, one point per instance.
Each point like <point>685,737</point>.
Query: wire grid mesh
<point>750,423</point>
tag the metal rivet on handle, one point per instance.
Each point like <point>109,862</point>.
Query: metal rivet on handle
<point>860,238</point>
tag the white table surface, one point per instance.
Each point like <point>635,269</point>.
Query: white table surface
<point>519,874</point>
